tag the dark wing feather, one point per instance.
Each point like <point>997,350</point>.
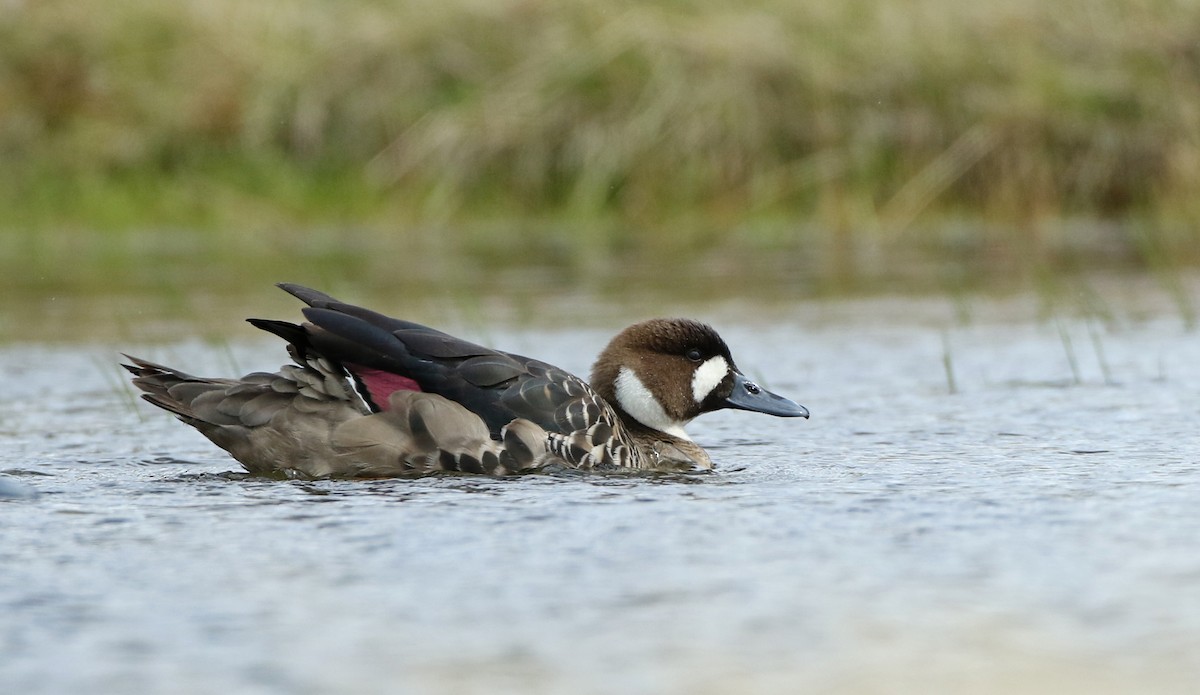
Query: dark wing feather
<point>307,295</point>
<point>479,378</point>
<point>497,386</point>
<point>429,342</point>
<point>351,339</point>
<point>320,300</point>
<point>491,370</point>
<point>584,430</point>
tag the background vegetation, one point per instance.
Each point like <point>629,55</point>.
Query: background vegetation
<point>812,145</point>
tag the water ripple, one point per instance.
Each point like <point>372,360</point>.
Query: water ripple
<point>1023,525</point>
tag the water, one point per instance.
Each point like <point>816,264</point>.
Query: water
<point>1037,530</point>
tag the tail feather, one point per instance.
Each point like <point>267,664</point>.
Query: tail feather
<point>157,382</point>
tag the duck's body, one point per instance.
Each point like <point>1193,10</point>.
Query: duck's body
<point>374,396</point>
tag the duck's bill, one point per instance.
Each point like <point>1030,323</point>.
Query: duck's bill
<point>748,395</point>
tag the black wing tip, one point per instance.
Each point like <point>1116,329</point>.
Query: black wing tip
<point>321,315</point>
<point>307,295</point>
<point>284,329</point>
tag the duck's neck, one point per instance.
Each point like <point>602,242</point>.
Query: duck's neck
<point>638,404</point>
<point>665,451</point>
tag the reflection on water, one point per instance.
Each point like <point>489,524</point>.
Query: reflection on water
<point>1033,531</point>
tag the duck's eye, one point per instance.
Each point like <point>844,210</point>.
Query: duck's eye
<point>694,355</point>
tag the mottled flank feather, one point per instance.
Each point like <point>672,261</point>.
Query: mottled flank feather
<point>306,421</point>
<point>425,433</point>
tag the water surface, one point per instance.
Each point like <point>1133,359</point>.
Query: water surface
<point>1009,503</point>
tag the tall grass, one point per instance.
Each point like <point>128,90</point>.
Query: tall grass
<point>856,134</point>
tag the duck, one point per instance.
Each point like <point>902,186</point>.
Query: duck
<point>370,396</point>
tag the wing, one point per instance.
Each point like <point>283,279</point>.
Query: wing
<point>385,355</point>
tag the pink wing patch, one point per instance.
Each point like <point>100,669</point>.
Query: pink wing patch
<point>382,384</point>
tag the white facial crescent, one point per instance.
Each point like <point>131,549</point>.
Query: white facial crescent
<point>635,399</point>
<point>708,376</point>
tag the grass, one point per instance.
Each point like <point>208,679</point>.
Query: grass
<point>1098,347</point>
<point>1069,351</point>
<point>948,364</point>
<point>927,140</point>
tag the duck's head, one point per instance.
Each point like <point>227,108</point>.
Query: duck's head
<point>664,372</point>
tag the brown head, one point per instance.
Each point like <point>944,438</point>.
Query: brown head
<point>664,372</point>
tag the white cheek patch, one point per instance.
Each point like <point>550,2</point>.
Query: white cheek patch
<point>635,399</point>
<point>708,376</point>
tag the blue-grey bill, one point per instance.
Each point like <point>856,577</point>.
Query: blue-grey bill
<point>748,395</point>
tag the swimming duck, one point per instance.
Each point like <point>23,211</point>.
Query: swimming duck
<point>373,396</point>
